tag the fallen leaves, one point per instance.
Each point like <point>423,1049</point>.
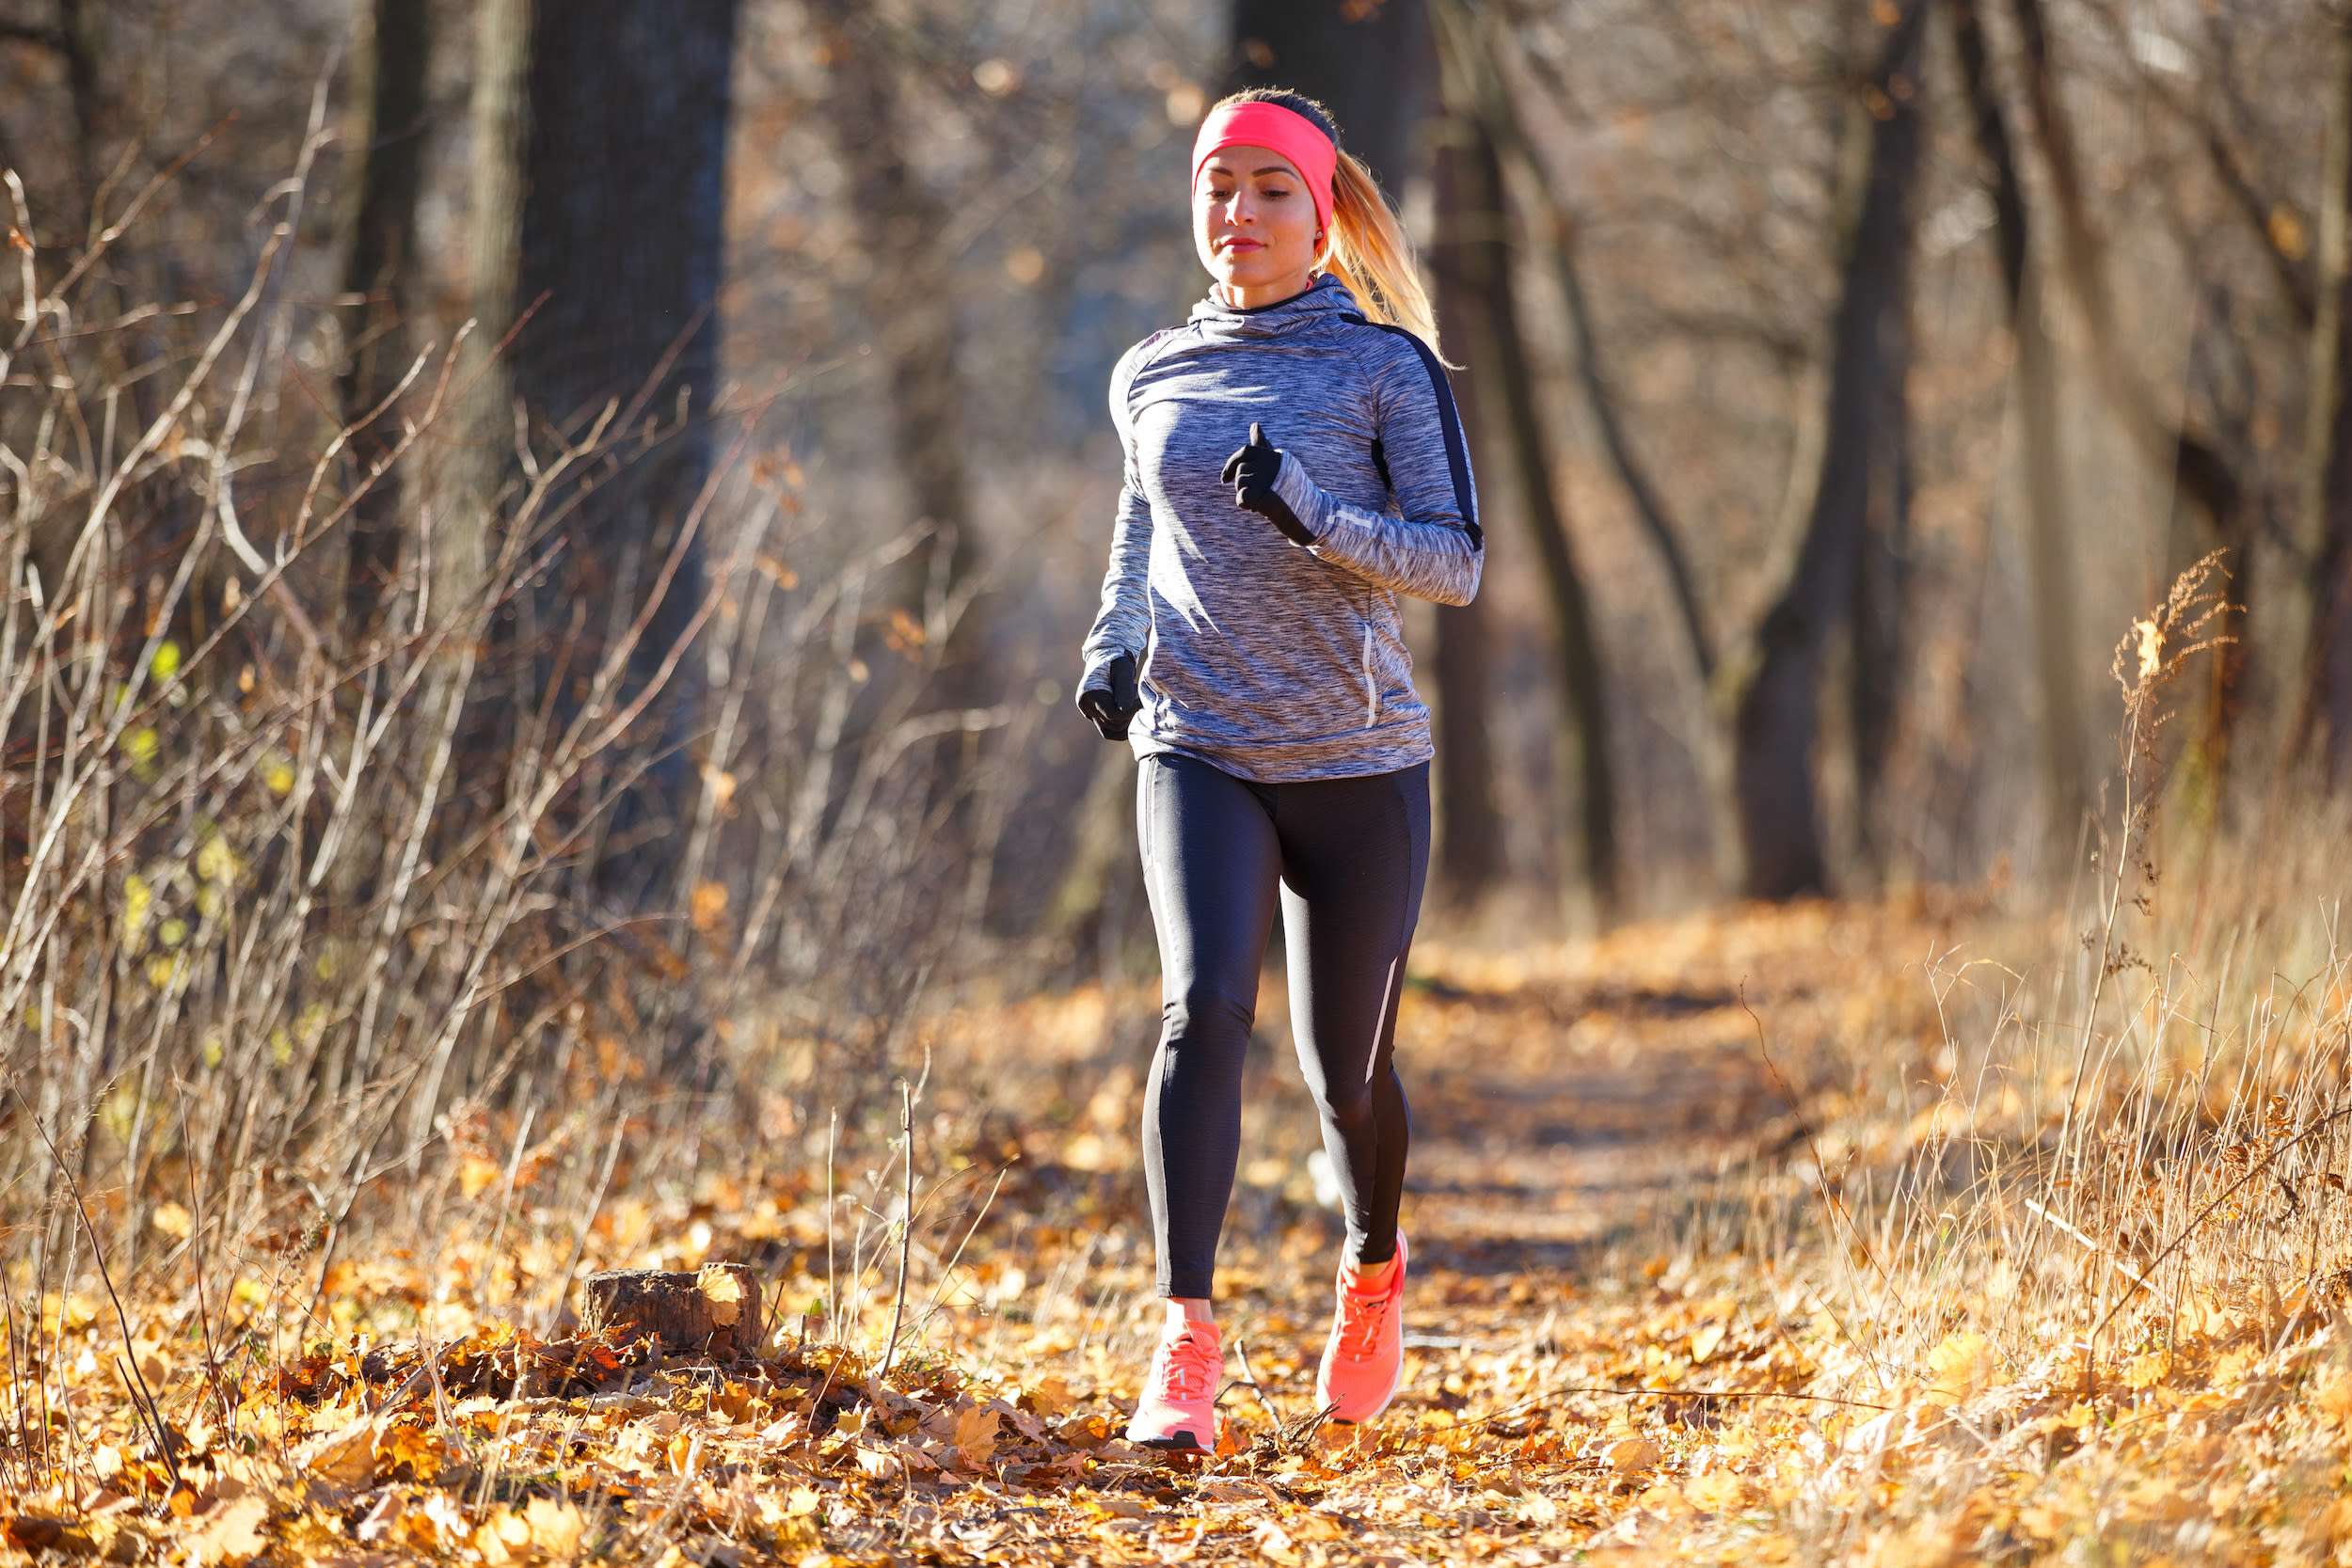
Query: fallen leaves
<point>1669,1403</point>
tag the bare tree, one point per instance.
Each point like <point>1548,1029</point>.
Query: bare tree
<point>379,269</point>
<point>1470,828</point>
<point>1554,226</point>
<point>2208,478</point>
<point>1857,504</point>
<point>622,225</point>
<point>911,297</point>
<point>2049,546</point>
<point>2327,707</point>
<point>1476,225</point>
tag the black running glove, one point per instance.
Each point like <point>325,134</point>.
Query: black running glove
<point>1113,704</point>
<point>1250,471</point>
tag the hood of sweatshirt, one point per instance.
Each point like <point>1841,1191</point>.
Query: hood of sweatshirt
<point>1325,300</point>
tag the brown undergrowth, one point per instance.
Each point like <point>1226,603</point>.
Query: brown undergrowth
<point>1670,1302</point>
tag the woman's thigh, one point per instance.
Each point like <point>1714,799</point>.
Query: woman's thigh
<point>1355,855</point>
<point>1211,864</point>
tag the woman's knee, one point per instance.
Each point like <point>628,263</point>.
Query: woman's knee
<point>1350,1108</point>
<point>1208,1012</point>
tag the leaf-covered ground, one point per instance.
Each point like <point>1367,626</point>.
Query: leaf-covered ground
<point>1639,1326</point>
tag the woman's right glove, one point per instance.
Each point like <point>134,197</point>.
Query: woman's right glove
<point>1112,700</point>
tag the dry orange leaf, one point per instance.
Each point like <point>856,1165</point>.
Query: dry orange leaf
<point>1716,1492</point>
<point>976,1438</point>
<point>476,1174</point>
<point>230,1535</point>
<point>1963,1366</point>
<point>345,1458</point>
<point>1631,1456</point>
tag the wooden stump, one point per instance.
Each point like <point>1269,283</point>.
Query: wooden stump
<point>715,1313</point>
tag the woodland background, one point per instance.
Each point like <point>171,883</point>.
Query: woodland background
<point>546,548</point>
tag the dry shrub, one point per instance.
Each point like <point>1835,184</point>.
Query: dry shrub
<point>304,918</point>
<point>2113,1202</point>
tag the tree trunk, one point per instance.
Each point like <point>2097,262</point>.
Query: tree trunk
<point>379,268</point>
<point>1470,830</point>
<point>459,531</point>
<point>1875,671</point>
<point>1102,855</point>
<point>1487,96</point>
<point>2198,468</point>
<point>1779,716</point>
<point>622,247</point>
<point>911,301</point>
<point>623,239</point>
<point>2327,716</point>
<point>1495,350</point>
<point>714,1311</point>
<point>2049,545</point>
<point>77,37</point>
<point>1368,64</point>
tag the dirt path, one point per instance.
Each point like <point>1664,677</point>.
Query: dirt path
<point>1569,1103</point>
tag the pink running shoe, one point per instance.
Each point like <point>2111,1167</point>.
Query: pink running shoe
<point>1178,1410</point>
<point>1365,1359</point>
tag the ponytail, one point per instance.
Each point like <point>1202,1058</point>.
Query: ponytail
<point>1365,248</point>
<point>1368,251</point>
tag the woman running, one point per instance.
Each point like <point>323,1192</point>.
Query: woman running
<point>1293,465</point>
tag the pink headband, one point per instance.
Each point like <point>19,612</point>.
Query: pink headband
<point>1259,123</point>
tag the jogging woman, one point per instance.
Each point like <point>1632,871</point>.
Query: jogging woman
<point>1293,464</point>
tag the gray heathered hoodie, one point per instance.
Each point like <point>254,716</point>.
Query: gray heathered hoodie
<point>1276,662</point>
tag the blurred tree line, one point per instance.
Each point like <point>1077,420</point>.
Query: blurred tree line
<point>1842,376</point>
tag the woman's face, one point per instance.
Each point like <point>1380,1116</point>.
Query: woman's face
<point>1254,223</point>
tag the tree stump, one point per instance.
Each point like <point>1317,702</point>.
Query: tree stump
<point>714,1313</point>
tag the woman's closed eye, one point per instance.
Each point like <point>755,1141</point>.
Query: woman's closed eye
<point>1265,193</point>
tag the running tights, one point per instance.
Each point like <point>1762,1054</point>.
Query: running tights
<point>1348,857</point>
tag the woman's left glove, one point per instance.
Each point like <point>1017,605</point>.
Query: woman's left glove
<point>1252,472</point>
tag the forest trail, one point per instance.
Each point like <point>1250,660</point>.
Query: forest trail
<point>1574,1098</point>
<point>1626,1338</point>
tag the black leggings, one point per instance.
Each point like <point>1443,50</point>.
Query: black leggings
<point>1349,856</point>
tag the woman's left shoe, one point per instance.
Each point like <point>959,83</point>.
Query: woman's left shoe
<point>1365,1358</point>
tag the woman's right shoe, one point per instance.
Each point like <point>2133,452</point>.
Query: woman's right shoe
<point>1178,1410</point>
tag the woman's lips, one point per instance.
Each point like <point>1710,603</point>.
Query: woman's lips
<point>1235,247</point>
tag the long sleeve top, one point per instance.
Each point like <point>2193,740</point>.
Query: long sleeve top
<point>1273,661</point>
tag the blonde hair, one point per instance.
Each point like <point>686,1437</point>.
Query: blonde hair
<point>1365,248</point>
<point>1368,251</point>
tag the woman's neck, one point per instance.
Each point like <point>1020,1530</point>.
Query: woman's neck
<point>1261,295</point>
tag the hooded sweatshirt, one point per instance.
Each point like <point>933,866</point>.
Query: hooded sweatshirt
<point>1273,661</point>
